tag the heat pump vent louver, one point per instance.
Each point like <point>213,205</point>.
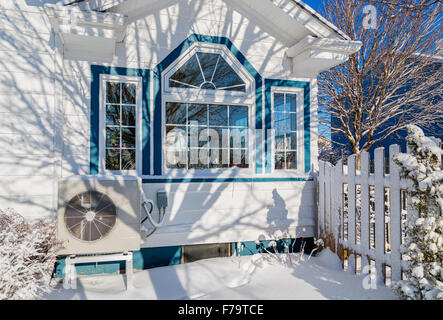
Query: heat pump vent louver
<point>90,215</point>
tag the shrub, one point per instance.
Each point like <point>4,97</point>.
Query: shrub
<point>27,256</point>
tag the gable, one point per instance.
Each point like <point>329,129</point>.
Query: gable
<point>291,19</point>
<point>283,35</point>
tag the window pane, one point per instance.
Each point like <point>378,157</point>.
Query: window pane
<point>208,62</point>
<point>238,116</point>
<point>128,159</point>
<point>176,158</point>
<point>128,117</point>
<point>279,102</point>
<point>279,160</point>
<point>280,142</point>
<point>112,159</point>
<point>293,120</point>
<point>218,115</point>
<point>238,158</point>
<point>176,137</point>
<point>198,158</point>
<point>280,123</point>
<point>291,102</point>
<point>187,76</point>
<point>128,93</point>
<point>112,137</point>
<point>113,92</point>
<point>239,138</point>
<point>112,115</point>
<point>198,113</point>
<point>175,113</point>
<point>128,137</point>
<point>291,141</point>
<point>218,158</point>
<point>291,160</point>
<point>218,137</point>
<point>203,137</point>
<point>226,78</point>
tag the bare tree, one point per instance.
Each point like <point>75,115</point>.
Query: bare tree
<point>393,80</point>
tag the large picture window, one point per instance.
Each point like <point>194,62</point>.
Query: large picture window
<point>202,136</point>
<point>119,122</point>
<point>207,111</point>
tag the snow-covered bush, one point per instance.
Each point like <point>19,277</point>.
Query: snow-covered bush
<point>27,256</point>
<point>423,248</point>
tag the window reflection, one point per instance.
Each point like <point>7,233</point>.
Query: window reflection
<point>285,130</point>
<point>215,136</point>
<point>207,71</point>
<point>120,129</point>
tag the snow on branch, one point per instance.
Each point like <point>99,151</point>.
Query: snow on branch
<point>423,248</point>
<point>27,256</point>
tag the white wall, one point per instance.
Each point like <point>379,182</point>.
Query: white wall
<point>33,104</point>
<point>233,211</point>
<point>26,109</point>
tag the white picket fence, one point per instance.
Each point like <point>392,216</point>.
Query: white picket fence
<point>361,214</point>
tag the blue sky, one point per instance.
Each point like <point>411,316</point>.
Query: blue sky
<point>314,4</point>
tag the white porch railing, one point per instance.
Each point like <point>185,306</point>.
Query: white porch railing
<point>361,214</point>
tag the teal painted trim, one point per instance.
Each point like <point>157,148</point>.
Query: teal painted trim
<point>269,83</point>
<point>247,248</point>
<point>200,180</point>
<point>143,259</point>
<point>96,71</point>
<point>173,56</point>
<point>147,258</point>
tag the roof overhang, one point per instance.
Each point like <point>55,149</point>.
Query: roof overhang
<point>313,55</point>
<point>313,43</point>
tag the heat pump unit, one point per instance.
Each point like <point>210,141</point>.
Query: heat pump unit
<point>99,214</point>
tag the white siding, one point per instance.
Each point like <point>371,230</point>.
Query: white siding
<point>234,211</point>
<point>26,109</point>
<point>33,126</point>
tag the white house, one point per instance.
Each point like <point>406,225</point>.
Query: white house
<point>95,87</point>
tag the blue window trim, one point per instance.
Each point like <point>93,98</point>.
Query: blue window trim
<point>269,83</point>
<point>230,179</point>
<point>173,56</point>
<point>96,71</point>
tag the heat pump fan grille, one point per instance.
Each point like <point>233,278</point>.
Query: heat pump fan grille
<point>90,215</point>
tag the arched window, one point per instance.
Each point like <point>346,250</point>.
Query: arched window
<point>207,71</point>
<point>207,102</point>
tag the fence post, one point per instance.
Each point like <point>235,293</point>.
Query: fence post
<point>321,198</point>
<point>351,211</point>
<point>328,200</point>
<point>364,187</point>
<point>379,172</point>
<point>394,183</point>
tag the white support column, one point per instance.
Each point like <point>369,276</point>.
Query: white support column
<point>129,271</point>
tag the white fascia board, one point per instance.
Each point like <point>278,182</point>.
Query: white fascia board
<point>321,18</point>
<point>301,14</point>
<point>102,5</point>
<point>324,44</point>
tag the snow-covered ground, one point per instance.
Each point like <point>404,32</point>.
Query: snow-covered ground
<point>260,276</point>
